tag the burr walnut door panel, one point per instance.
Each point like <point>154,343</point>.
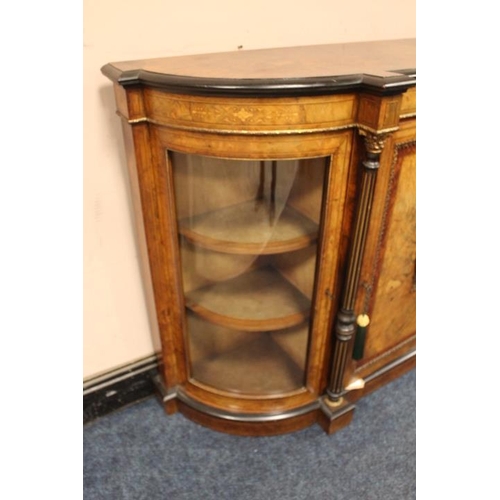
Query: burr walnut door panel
<point>388,284</point>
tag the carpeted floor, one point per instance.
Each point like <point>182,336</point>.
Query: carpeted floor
<point>139,453</point>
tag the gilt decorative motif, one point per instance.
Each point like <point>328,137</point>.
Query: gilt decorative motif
<point>374,143</point>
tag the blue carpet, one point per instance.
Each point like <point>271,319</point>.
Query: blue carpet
<point>140,453</point>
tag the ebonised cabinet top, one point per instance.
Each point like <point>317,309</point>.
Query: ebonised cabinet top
<point>383,67</point>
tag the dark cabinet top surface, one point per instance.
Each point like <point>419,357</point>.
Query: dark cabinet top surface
<point>383,66</point>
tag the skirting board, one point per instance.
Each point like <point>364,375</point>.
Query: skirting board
<point>118,388</point>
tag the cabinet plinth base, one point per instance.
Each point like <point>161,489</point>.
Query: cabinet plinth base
<point>266,428</point>
<point>330,419</point>
<point>333,419</point>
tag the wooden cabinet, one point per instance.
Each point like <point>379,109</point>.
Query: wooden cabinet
<point>275,200</point>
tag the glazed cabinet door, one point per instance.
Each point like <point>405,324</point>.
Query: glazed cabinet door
<point>248,237</point>
<point>387,292</point>
<point>253,258</point>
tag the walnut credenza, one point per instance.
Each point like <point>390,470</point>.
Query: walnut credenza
<point>275,200</point>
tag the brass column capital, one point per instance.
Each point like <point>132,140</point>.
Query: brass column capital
<point>374,142</point>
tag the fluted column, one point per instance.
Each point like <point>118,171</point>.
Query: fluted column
<point>345,323</point>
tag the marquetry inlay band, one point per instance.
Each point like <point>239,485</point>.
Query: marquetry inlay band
<point>275,132</point>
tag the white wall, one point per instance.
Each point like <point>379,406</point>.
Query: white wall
<point>116,328</point>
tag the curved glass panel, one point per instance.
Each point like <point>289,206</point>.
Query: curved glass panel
<point>248,233</point>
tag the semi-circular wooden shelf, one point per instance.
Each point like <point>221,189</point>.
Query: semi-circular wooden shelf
<point>246,228</point>
<point>260,300</point>
<point>256,365</point>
